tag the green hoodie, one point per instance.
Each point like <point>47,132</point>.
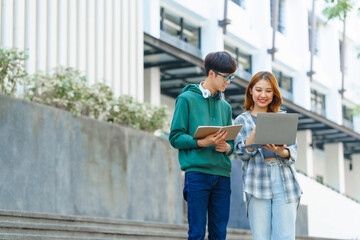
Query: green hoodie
<point>193,110</point>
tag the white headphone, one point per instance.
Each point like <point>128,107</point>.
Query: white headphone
<point>206,93</point>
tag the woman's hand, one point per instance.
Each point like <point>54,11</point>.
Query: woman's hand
<point>282,151</point>
<point>251,139</point>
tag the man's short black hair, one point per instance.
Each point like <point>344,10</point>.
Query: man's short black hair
<point>220,61</point>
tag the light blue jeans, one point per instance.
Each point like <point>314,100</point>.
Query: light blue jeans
<point>273,218</point>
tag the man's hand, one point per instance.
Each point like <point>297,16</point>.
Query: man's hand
<point>216,139</point>
<point>212,139</point>
<point>223,147</point>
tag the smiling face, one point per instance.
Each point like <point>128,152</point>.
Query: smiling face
<point>262,94</point>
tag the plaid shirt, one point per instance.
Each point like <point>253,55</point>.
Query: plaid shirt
<point>256,178</point>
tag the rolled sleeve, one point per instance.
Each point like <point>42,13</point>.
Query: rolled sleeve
<point>243,153</point>
<point>244,133</point>
<point>231,143</point>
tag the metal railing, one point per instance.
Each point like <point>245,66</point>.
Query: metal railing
<point>330,187</point>
<point>182,45</point>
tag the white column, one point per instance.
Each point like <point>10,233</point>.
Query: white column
<point>63,17</point>
<point>19,24</point>
<point>117,52</point>
<point>139,51</point>
<point>99,40</point>
<point>1,14</point>
<point>30,37</point>
<point>304,160</point>
<point>261,59</point>
<point>133,80</point>
<point>7,23</point>
<point>124,47</point>
<point>212,37</point>
<point>52,35</point>
<point>72,34</point>
<point>90,41</point>
<point>152,86</point>
<point>81,30</point>
<point>151,15</point>
<point>41,35</point>
<point>334,157</point>
<point>108,42</point>
<point>354,190</point>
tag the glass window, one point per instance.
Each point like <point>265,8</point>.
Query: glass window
<point>180,28</point>
<point>317,102</point>
<point>281,15</point>
<point>347,115</point>
<point>285,82</point>
<point>243,60</point>
<point>320,179</point>
<point>241,3</point>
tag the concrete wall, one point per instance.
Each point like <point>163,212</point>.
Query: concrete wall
<point>52,162</point>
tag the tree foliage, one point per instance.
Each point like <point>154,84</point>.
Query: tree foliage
<point>338,9</point>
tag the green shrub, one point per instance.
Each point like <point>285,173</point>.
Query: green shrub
<point>12,70</point>
<point>141,116</point>
<point>67,89</point>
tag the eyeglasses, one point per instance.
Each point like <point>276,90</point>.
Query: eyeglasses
<point>226,77</point>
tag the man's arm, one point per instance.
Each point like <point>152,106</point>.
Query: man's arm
<point>179,137</point>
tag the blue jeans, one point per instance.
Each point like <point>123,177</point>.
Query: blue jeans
<point>273,218</point>
<point>207,194</point>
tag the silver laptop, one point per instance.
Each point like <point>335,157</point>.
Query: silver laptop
<point>275,128</point>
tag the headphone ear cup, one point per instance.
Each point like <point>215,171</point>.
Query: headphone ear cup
<point>206,93</point>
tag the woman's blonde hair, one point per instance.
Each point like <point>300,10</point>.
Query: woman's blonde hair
<point>277,100</point>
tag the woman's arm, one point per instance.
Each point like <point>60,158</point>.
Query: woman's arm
<point>287,154</point>
<point>243,136</point>
<point>250,140</point>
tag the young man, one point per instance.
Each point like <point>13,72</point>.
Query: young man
<point>205,161</point>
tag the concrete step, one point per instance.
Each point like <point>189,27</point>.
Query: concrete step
<point>20,225</point>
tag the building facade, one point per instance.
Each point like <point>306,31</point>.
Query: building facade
<point>151,49</point>
<point>328,167</point>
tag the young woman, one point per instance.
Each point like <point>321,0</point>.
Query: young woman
<point>269,177</point>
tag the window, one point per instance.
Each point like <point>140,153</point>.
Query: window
<point>281,15</point>
<point>241,3</point>
<point>320,179</point>
<point>347,115</point>
<point>180,28</point>
<point>316,33</point>
<point>285,81</point>
<point>317,102</point>
<point>243,60</point>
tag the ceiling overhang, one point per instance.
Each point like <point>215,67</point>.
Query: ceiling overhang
<point>179,68</point>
